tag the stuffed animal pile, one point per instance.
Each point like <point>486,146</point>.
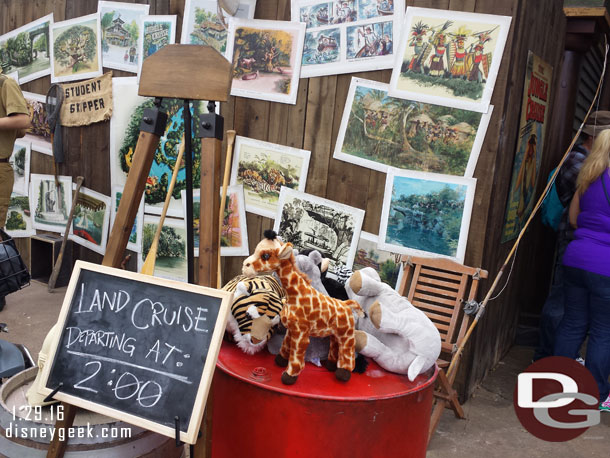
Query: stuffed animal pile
<point>397,335</point>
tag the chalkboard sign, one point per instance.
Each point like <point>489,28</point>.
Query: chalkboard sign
<point>137,348</point>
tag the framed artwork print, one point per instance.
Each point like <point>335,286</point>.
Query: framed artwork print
<point>76,49</point>
<point>91,220</point>
<point>157,32</point>
<point>426,214</point>
<point>202,24</point>
<point>50,204</point>
<point>379,131</point>
<point>449,58</point>
<point>308,221</point>
<point>121,26</point>
<point>234,231</point>
<point>20,162</point>
<point>263,168</point>
<point>39,135</point>
<point>266,58</point>
<point>134,243</point>
<point>346,36</point>
<point>33,60</point>
<point>171,253</point>
<point>19,217</point>
<point>386,264</point>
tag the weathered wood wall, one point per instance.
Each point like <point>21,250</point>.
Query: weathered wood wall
<point>313,124</point>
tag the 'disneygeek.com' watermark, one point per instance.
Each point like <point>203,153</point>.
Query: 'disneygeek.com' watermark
<point>556,399</point>
<point>20,431</point>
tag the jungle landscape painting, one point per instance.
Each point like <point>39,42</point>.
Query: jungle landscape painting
<point>133,243</point>
<point>171,253</point>
<point>165,155</point>
<point>76,49</point>
<point>385,263</point>
<point>322,46</point>
<point>378,131</point>
<point>91,217</point>
<point>20,162</point>
<point>310,222</point>
<point>18,217</point>
<point>26,50</point>
<point>452,56</point>
<point>426,213</point>
<point>266,59</point>
<point>263,168</point>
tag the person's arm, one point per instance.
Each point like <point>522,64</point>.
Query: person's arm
<point>15,122</point>
<point>574,210</point>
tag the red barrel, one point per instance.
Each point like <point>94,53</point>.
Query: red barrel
<point>374,414</point>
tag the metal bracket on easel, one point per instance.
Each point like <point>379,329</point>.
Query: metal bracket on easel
<point>154,120</point>
<point>211,125</point>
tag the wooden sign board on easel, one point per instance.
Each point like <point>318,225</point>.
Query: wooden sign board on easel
<point>137,348</point>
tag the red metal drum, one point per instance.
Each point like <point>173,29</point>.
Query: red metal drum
<point>375,414</point>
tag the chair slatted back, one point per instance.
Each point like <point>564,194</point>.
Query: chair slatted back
<point>439,287</point>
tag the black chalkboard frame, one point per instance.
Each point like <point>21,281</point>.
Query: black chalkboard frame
<point>191,434</point>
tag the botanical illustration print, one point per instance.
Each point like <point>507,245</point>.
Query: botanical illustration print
<point>266,58</point>
<point>20,162</point>
<point>90,221</point>
<point>379,131</point>
<point>39,135</point>
<point>50,203</point>
<point>310,222</point>
<point>345,36</point>
<point>125,129</point>
<point>234,232</point>
<point>202,26</point>
<point>18,217</point>
<point>171,252</point>
<point>76,52</point>
<point>134,243</point>
<point>263,168</point>
<point>321,47</point>
<point>370,40</point>
<point>26,50</point>
<point>426,213</point>
<point>449,57</point>
<point>385,263</point>
<point>121,34</point>
<point>530,146</point>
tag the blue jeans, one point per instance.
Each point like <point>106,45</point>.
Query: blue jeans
<point>587,310</point>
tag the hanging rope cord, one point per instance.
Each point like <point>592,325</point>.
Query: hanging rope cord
<point>512,253</point>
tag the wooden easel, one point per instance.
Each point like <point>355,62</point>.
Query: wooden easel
<point>198,73</point>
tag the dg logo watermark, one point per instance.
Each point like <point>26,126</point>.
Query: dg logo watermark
<point>556,399</point>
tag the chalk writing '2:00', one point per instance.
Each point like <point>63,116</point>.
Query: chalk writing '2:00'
<point>127,386</point>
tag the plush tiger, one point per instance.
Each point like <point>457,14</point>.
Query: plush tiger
<point>257,303</point>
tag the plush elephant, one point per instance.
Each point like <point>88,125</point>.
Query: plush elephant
<point>397,335</point>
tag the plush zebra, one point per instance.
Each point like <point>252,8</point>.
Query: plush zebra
<point>257,303</point>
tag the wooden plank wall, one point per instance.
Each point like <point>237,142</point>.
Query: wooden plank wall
<point>313,124</point>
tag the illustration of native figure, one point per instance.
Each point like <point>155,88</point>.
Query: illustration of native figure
<point>479,58</point>
<point>457,53</point>
<point>437,63</point>
<point>418,33</point>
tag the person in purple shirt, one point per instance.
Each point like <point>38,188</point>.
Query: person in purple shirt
<point>587,269</point>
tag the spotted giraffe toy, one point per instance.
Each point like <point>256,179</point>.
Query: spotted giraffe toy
<point>306,313</point>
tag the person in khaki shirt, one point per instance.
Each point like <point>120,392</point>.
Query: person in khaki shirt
<point>14,119</point>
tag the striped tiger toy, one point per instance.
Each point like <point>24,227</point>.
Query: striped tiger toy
<point>257,303</point>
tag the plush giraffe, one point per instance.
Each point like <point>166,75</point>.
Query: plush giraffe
<point>306,313</point>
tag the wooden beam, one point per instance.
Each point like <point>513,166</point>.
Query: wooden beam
<point>592,12</point>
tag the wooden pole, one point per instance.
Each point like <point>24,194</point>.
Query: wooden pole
<point>459,351</point>
<point>223,199</point>
<point>149,264</point>
<point>64,241</point>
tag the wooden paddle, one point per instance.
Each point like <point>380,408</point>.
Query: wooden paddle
<point>149,264</point>
<point>223,199</point>
<point>60,256</point>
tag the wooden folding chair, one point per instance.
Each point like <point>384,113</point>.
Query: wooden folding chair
<point>440,288</point>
